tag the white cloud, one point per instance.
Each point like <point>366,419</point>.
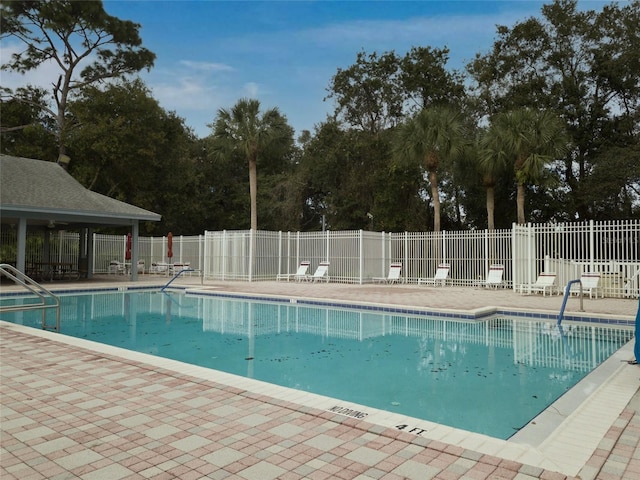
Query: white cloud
<point>44,75</point>
<point>251,89</point>
<point>207,66</point>
<point>183,93</point>
<point>372,34</point>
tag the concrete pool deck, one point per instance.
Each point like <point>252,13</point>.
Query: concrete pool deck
<point>76,409</point>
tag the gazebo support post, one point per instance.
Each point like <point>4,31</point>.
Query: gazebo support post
<point>22,244</point>
<point>134,251</point>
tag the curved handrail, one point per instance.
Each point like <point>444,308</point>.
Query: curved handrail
<point>567,292</point>
<point>34,287</point>
<point>176,276</point>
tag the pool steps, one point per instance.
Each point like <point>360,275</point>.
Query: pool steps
<point>35,288</point>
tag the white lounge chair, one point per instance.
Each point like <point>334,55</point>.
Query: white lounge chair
<point>394,274</point>
<point>116,267</point>
<point>180,266</point>
<point>440,278</point>
<point>140,266</point>
<point>546,282</point>
<point>321,273</point>
<point>159,267</point>
<point>494,279</point>
<point>590,284</point>
<point>299,275</point>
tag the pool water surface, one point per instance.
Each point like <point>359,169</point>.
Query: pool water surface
<point>490,377</point>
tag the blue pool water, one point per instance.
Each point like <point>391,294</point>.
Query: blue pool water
<point>489,377</point>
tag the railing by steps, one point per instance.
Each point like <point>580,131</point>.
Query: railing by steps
<point>567,293</point>
<point>34,287</point>
<point>176,276</point>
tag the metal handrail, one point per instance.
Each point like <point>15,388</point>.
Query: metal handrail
<point>176,276</point>
<point>34,287</point>
<point>567,292</point>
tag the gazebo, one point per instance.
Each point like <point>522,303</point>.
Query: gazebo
<point>35,194</point>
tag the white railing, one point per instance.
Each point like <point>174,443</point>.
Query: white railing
<point>152,250</point>
<point>610,248</point>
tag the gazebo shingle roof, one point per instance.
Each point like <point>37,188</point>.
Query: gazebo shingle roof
<point>43,190</point>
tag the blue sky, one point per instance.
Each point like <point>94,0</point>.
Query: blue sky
<point>211,53</point>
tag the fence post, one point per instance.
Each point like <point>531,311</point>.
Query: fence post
<point>92,256</point>
<point>252,239</point>
<point>280,254</point>
<point>205,256</point>
<point>328,241</point>
<point>405,260</point>
<point>224,254</point>
<point>487,253</point>
<point>531,255</point>
<point>361,258</point>
<point>592,246</point>
<point>200,259</point>
<point>444,246</point>
<point>514,253</point>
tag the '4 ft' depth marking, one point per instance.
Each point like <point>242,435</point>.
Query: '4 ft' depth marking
<point>415,430</point>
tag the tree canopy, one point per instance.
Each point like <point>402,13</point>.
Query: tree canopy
<point>87,45</point>
<point>245,131</point>
<point>585,67</point>
<point>546,121</point>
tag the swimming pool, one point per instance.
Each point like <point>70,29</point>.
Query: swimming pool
<point>489,377</point>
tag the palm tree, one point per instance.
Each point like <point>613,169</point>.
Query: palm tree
<point>491,163</point>
<point>528,140</point>
<point>433,136</point>
<point>242,129</point>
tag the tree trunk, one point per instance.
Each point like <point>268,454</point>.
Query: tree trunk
<point>491,207</point>
<point>63,159</point>
<point>61,93</point>
<point>433,180</point>
<point>520,203</point>
<point>253,192</point>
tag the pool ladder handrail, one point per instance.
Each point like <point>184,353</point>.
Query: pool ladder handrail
<point>567,292</point>
<point>176,276</point>
<point>34,287</point>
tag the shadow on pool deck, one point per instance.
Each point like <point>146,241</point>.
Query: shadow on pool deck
<point>72,411</point>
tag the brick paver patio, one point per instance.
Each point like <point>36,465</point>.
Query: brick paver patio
<point>71,412</point>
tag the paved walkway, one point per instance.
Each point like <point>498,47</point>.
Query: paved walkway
<point>71,409</point>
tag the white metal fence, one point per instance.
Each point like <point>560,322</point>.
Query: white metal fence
<point>357,256</point>
<point>61,247</point>
<point>609,248</point>
<point>152,250</point>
